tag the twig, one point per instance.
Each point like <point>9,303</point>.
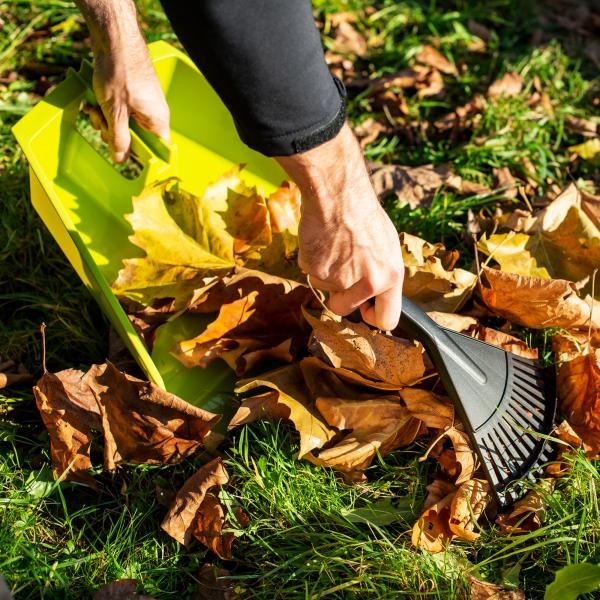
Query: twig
<point>43,332</point>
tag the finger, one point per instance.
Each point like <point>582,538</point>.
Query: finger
<point>321,284</point>
<point>385,313</point>
<point>97,120</point>
<point>157,123</point>
<point>344,302</point>
<point>118,133</point>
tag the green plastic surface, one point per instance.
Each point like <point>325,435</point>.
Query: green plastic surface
<point>83,199</point>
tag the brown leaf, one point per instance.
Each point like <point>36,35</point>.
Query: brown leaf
<point>348,40</point>
<point>467,506</point>
<point>578,387</point>
<point>213,584</point>
<point>503,179</point>
<point>590,205</point>
<point>70,413</point>
<point>483,590</point>
<point>247,221</point>
<point>313,369</point>
<point>432,530</point>
<point>142,423</point>
<point>12,372</point>
<point>415,186</point>
<point>510,84</point>
<point>284,208</point>
<point>524,515</point>
<point>210,521</point>
<point>183,518</point>
<point>433,410</point>
<point>257,312</point>
<point>581,126</point>
<point>431,284</point>
<point>123,589</point>
<point>428,55</point>
<point>374,355</point>
<point>465,457</point>
<point>377,425</point>
<point>463,117</point>
<point>537,303</point>
<point>290,401</point>
<point>368,131</point>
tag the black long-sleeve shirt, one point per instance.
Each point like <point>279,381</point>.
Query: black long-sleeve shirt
<point>265,60</point>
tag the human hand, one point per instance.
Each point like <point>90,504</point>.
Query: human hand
<point>348,245</point>
<point>125,82</point>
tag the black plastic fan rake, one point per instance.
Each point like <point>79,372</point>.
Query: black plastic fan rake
<point>503,400</point>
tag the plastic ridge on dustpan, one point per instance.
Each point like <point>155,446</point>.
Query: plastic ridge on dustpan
<point>83,199</point>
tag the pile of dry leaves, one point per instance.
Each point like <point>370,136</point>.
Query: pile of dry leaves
<point>350,392</point>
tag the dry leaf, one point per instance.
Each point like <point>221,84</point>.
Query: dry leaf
<point>433,410</point>
<point>428,282</point>
<point>123,589</point>
<point>581,126</point>
<point>503,179</point>
<point>510,84</point>
<point>428,55</point>
<point>290,402</point>
<point>537,303</point>
<point>348,41</point>
<point>587,150</point>
<point>462,117</point>
<point>524,515</point>
<point>256,312</point>
<point>467,506</point>
<point>70,413</point>
<point>465,458</point>
<point>380,424</point>
<point>213,584</point>
<point>415,186</point>
<point>12,372</point>
<point>284,208</point>
<point>578,387</point>
<point>374,355</point>
<point>368,131</point>
<point>184,239</point>
<point>432,530</point>
<point>182,520</point>
<point>483,590</point>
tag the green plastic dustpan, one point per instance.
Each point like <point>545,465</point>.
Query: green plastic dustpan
<point>82,198</point>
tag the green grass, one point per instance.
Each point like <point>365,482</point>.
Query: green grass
<point>64,541</point>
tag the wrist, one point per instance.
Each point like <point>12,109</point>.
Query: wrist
<point>332,177</point>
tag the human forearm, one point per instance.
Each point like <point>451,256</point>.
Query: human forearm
<point>125,82</point>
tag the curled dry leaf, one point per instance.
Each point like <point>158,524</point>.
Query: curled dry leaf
<point>483,590</point>
<point>432,530</point>
<point>510,84</point>
<point>537,303</point>
<point>70,413</point>
<point>194,511</point>
<point>578,387</point>
<point>465,458</point>
<point>503,178</point>
<point>374,355</point>
<point>290,401</point>
<point>467,506</point>
<point>257,312</point>
<point>429,283</point>
<point>123,589</point>
<point>377,425</point>
<point>214,584</point>
<point>526,514</point>
<point>140,422</point>
<point>12,372</point>
<point>428,55</point>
